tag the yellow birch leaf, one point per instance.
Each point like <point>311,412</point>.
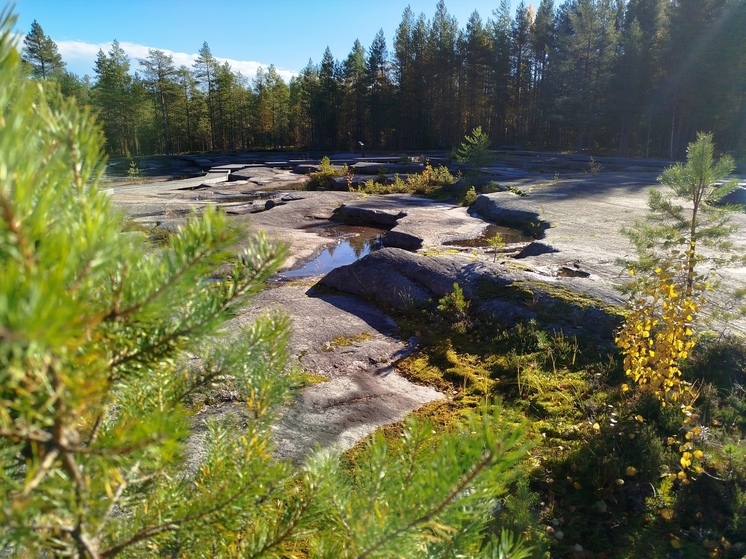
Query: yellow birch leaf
<point>686,460</point>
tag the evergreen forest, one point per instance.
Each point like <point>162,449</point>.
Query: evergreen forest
<point>630,78</point>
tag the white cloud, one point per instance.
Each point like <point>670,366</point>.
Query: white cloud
<point>80,58</point>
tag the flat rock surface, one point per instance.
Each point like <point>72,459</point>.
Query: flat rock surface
<point>585,215</point>
<point>416,222</point>
<point>342,338</point>
<point>355,346</point>
<point>350,341</point>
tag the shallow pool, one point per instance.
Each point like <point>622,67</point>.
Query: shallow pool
<point>510,235</point>
<point>352,243</point>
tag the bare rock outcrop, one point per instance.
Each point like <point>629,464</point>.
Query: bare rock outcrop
<point>399,279</point>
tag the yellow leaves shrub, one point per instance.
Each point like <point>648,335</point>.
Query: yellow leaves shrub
<point>657,335</point>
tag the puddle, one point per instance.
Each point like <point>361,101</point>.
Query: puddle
<point>510,235</point>
<point>568,272</point>
<point>352,243</point>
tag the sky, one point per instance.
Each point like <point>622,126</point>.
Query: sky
<point>247,34</point>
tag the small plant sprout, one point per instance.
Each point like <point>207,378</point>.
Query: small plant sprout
<point>454,308</point>
<point>594,167</point>
<point>474,150</point>
<point>469,197</point>
<point>134,171</point>
<point>495,242</point>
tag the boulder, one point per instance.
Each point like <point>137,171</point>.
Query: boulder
<point>535,249</point>
<point>402,239</point>
<point>361,215</point>
<point>413,221</point>
<point>402,279</point>
<point>504,208</point>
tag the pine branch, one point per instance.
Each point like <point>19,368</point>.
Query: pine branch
<point>115,314</point>
<point>40,435</point>
<point>285,534</point>
<point>486,459</point>
<point>147,351</point>
<point>179,523</point>
<point>41,473</point>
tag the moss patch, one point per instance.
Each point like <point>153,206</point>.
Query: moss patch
<point>346,341</point>
<point>604,471</point>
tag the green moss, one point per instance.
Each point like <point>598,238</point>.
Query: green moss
<point>309,379</point>
<point>589,431</point>
<point>155,234</point>
<point>439,251</point>
<point>346,341</point>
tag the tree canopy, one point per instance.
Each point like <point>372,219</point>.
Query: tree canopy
<point>601,76</point>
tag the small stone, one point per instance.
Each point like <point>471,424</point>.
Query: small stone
<point>578,548</point>
<point>559,534</point>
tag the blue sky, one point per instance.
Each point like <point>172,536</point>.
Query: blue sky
<point>247,33</point>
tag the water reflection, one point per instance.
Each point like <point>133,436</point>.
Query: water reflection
<point>509,236</point>
<point>352,243</point>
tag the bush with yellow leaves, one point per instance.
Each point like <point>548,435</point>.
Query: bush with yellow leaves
<point>658,333</point>
<point>668,290</point>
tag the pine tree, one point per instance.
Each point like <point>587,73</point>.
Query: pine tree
<point>403,75</point>
<point>702,223</point>
<point>355,88</point>
<point>637,74</point>
<point>500,32</point>
<point>380,93</point>
<point>521,71</point>
<point>474,150</point>
<point>159,76</point>
<point>670,286</point>
<point>41,52</point>
<point>115,99</point>
<point>586,56</point>
<point>328,100</point>
<point>304,102</point>
<point>205,68</point>
<point>411,79</point>
<point>272,98</point>
<point>475,84</point>
<point>225,101</point>
<point>542,44</point>
<point>185,116</point>
<point>442,68</point>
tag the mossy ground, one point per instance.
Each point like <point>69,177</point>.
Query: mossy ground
<point>601,480</point>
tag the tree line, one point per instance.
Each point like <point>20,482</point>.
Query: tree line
<point>635,77</point>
